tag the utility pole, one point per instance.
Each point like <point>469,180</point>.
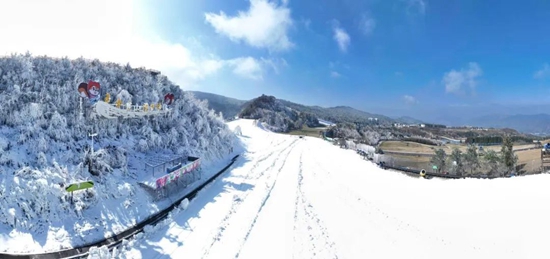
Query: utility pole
<point>92,135</point>
<point>81,115</point>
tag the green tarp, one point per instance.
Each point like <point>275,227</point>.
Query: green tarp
<point>79,186</point>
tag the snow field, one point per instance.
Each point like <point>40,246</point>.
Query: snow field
<point>305,198</point>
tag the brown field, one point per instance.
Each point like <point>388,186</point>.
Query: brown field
<point>531,159</point>
<point>407,146</point>
<point>413,147</point>
<point>417,162</point>
<point>307,131</point>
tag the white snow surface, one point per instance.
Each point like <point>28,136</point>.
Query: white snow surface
<point>305,198</point>
<point>326,123</point>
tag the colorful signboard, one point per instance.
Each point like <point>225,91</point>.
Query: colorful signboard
<point>175,175</point>
<point>89,90</point>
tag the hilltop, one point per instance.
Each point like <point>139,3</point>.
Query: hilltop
<point>44,144</point>
<point>277,116</point>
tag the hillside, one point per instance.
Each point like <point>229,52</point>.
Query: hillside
<point>44,143</point>
<point>276,115</point>
<point>340,114</point>
<point>538,124</point>
<point>229,107</point>
<point>408,120</point>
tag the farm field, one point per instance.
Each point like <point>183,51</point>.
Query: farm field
<point>528,160</point>
<point>307,131</point>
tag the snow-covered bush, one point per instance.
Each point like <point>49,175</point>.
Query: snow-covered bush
<point>99,253</point>
<point>238,131</point>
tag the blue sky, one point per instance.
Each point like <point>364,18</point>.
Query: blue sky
<point>423,58</point>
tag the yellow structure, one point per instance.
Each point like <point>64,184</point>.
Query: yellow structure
<point>159,106</point>
<point>107,98</point>
<point>118,103</point>
<point>145,107</point>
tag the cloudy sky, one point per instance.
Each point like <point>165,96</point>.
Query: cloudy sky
<point>423,58</point>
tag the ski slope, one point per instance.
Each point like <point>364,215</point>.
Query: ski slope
<point>304,198</point>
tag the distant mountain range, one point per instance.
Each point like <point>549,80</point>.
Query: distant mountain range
<point>408,120</point>
<point>231,107</point>
<point>538,124</point>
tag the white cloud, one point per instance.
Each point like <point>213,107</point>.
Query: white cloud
<point>275,64</point>
<point>264,25</point>
<point>341,37</point>
<point>458,82</point>
<point>418,6</point>
<point>335,74</point>
<point>115,32</point>
<point>252,68</point>
<point>543,72</point>
<point>247,67</point>
<point>409,99</point>
<point>107,30</point>
<point>367,24</point>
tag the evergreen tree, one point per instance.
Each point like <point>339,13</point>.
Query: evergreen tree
<point>492,159</point>
<point>471,159</point>
<point>456,160</point>
<point>439,159</point>
<point>509,159</point>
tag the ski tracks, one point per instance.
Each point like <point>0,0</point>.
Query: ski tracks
<point>273,151</point>
<point>307,221</point>
<point>238,217</point>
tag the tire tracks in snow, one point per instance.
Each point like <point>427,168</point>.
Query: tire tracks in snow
<point>313,224</point>
<point>264,201</point>
<point>238,200</point>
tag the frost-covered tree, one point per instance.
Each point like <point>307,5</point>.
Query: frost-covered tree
<point>238,131</point>
<point>46,138</point>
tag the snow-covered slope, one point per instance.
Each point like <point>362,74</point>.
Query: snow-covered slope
<point>305,198</point>
<point>43,145</point>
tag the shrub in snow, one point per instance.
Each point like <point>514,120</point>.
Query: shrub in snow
<point>148,229</point>
<point>350,144</point>
<point>41,159</point>
<point>238,131</point>
<point>36,198</point>
<point>184,204</point>
<point>142,145</point>
<point>99,253</point>
<point>4,144</point>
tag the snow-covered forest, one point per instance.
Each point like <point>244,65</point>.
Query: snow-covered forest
<point>43,142</point>
<point>276,116</point>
